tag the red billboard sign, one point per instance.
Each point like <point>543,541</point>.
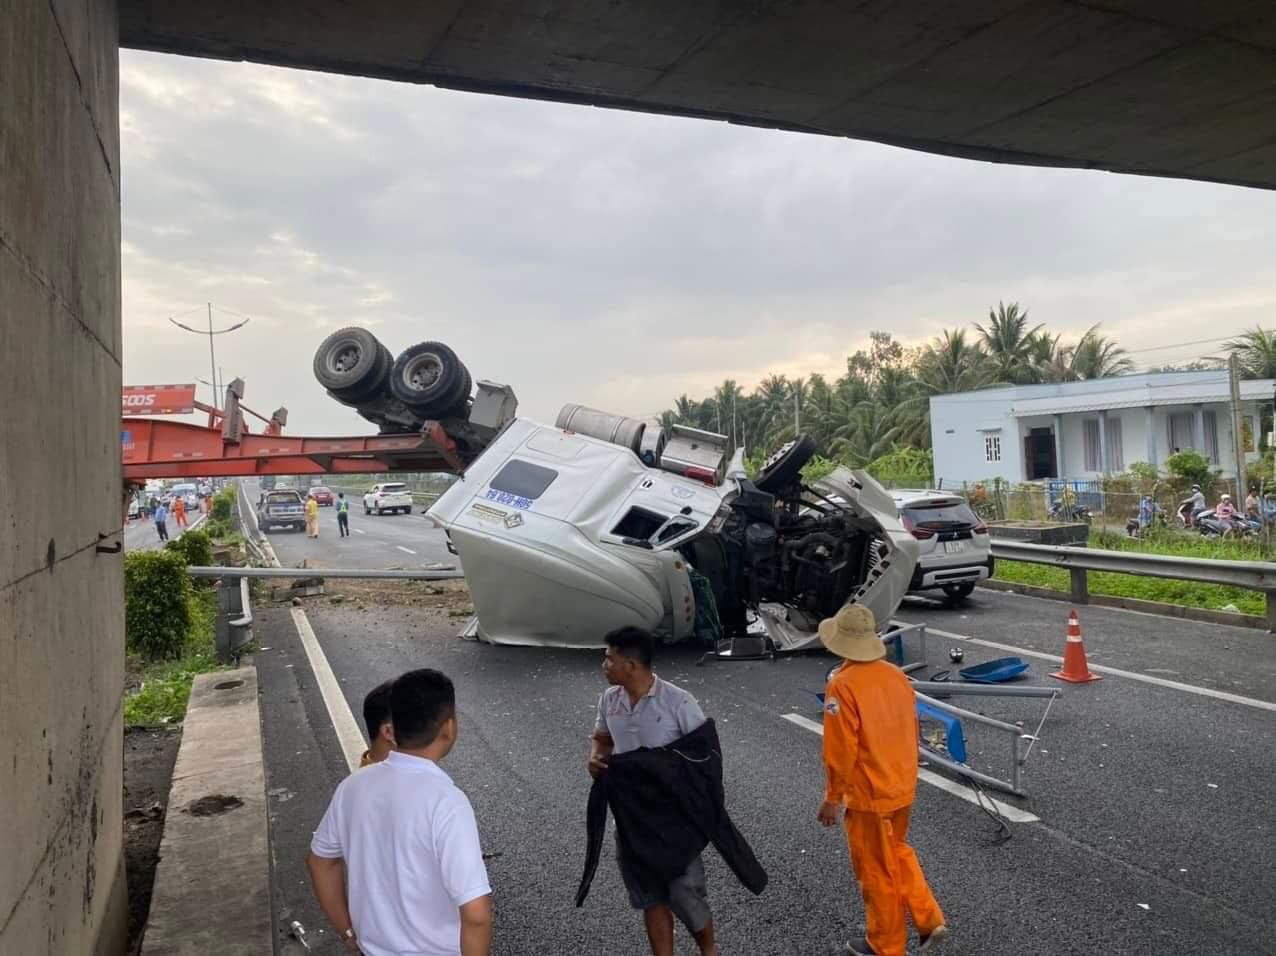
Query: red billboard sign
<point>159,399</point>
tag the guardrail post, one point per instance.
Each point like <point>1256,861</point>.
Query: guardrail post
<point>227,601</point>
<point>1080,586</point>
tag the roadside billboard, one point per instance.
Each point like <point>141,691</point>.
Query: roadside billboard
<point>158,399</point>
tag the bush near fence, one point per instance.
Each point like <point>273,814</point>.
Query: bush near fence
<point>157,596</point>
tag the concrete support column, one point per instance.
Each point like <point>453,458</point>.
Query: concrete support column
<point>1149,421</point>
<point>61,600</point>
<point>1198,429</point>
<point>1061,470</point>
<point>1103,443</point>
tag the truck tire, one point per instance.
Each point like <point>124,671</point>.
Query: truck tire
<point>352,364</point>
<point>429,379</point>
<point>784,468</point>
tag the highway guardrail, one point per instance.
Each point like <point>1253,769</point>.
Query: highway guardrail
<point>1251,575</point>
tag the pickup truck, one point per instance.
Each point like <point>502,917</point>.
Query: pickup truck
<point>392,496</point>
<point>281,508</point>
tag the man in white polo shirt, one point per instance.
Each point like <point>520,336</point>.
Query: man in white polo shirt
<point>414,879</point>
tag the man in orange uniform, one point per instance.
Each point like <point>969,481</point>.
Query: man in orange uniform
<point>870,763</point>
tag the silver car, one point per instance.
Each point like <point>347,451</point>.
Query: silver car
<point>954,552</point>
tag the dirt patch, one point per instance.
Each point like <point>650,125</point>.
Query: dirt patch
<point>451,596</point>
<point>149,756</point>
<point>212,805</point>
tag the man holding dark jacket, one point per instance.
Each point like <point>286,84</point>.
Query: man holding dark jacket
<point>640,710</point>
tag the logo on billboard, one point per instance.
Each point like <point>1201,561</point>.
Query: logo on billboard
<point>158,399</point>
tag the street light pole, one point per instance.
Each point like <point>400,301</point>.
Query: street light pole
<point>212,355</point>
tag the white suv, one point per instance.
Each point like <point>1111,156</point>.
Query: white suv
<point>392,496</point>
<point>954,551</point>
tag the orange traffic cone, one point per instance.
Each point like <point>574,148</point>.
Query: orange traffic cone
<point>1075,669</point>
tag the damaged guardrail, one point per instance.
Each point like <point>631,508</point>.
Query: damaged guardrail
<point>1252,575</point>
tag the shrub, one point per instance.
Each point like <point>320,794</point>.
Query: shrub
<point>223,504</point>
<point>195,547</point>
<point>157,595</point>
<point>818,467</point>
<point>904,465</point>
<point>218,529</point>
<point>1192,467</point>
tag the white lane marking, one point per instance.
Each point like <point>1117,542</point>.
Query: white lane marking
<point>1115,671</point>
<point>343,722</point>
<point>402,548</point>
<point>1011,813</point>
<point>359,531</point>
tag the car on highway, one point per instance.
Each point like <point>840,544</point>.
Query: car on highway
<point>281,508</point>
<point>391,497</point>
<point>322,495</point>
<point>188,492</point>
<point>954,550</point>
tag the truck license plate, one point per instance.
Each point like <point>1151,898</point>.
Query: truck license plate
<point>954,547</point>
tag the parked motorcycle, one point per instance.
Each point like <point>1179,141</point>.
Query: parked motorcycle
<point>1060,511</point>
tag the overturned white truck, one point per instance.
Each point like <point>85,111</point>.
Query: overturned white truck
<point>601,521</point>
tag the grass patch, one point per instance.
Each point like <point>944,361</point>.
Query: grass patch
<point>161,689</point>
<point>1185,593</point>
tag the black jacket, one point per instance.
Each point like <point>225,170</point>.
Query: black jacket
<point>668,804</point>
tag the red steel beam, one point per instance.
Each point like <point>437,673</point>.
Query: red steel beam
<point>160,449</point>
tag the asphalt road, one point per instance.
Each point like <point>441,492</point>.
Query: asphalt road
<point>140,534</point>
<point>376,541</point>
<point>1156,813</point>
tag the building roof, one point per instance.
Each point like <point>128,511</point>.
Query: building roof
<point>1123,391</point>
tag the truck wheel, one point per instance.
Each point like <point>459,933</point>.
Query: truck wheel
<point>429,379</point>
<point>784,468</point>
<point>352,364</point>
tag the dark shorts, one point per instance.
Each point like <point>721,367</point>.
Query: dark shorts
<point>687,896</point>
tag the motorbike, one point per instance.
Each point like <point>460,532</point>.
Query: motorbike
<point>1061,511</point>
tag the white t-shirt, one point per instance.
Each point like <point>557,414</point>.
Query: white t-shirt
<point>411,847</point>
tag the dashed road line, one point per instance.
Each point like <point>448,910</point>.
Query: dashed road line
<point>359,531</point>
<point>402,548</point>
<point>1115,671</point>
<point>1011,813</point>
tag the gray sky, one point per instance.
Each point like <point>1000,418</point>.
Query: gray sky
<point>618,259</point>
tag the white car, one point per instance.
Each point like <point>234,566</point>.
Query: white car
<point>954,550</point>
<point>391,496</point>
<point>565,537</point>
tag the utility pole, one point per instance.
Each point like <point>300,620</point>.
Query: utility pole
<point>797,410</point>
<point>212,355</point>
<point>1238,438</point>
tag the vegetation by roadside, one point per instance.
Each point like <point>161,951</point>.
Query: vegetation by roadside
<point>1186,593</point>
<point>170,628</point>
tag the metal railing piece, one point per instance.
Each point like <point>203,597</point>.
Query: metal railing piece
<point>1016,734</point>
<point>450,574</point>
<point>234,627</point>
<point>962,689</point>
<point>1252,575</point>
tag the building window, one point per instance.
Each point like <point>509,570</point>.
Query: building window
<point>992,448</point>
<point>1091,436</point>
<point>1116,447</point>
<point>1182,429</point>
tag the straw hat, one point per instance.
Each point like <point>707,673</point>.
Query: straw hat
<point>852,634</point>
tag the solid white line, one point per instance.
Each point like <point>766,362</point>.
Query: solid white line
<point>1116,672</point>
<point>343,722</point>
<point>402,548</point>
<point>1011,813</point>
<point>359,531</point>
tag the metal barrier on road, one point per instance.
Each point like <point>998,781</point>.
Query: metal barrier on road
<point>1252,575</point>
<point>234,629</point>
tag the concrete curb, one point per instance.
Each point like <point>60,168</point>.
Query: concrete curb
<point>212,887</point>
<point>1180,611</point>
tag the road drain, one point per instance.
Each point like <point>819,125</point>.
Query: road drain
<point>212,805</point>
<point>228,685</point>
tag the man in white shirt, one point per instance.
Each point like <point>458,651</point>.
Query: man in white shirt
<point>405,835</point>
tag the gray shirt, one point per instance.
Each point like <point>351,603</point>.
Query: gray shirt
<point>664,714</point>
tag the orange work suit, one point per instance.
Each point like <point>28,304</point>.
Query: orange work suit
<point>179,512</point>
<point>870,763</point>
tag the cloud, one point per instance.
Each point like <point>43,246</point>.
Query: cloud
<point>617,259</point>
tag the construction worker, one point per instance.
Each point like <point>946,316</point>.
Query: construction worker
<point>870,763</point>
<point>312,516</point>
<point>343,514</point>
<point>179,511</point>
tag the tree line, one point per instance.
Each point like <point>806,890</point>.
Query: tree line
<point>881,405</point>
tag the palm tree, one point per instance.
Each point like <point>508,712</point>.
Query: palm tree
<point>1009,343</point>
<point>685,411</point>
<point>866,434</point>
<point>1255,352</point>
<point>1097,356</point>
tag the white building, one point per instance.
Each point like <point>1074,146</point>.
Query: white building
<point>1089,429</point>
